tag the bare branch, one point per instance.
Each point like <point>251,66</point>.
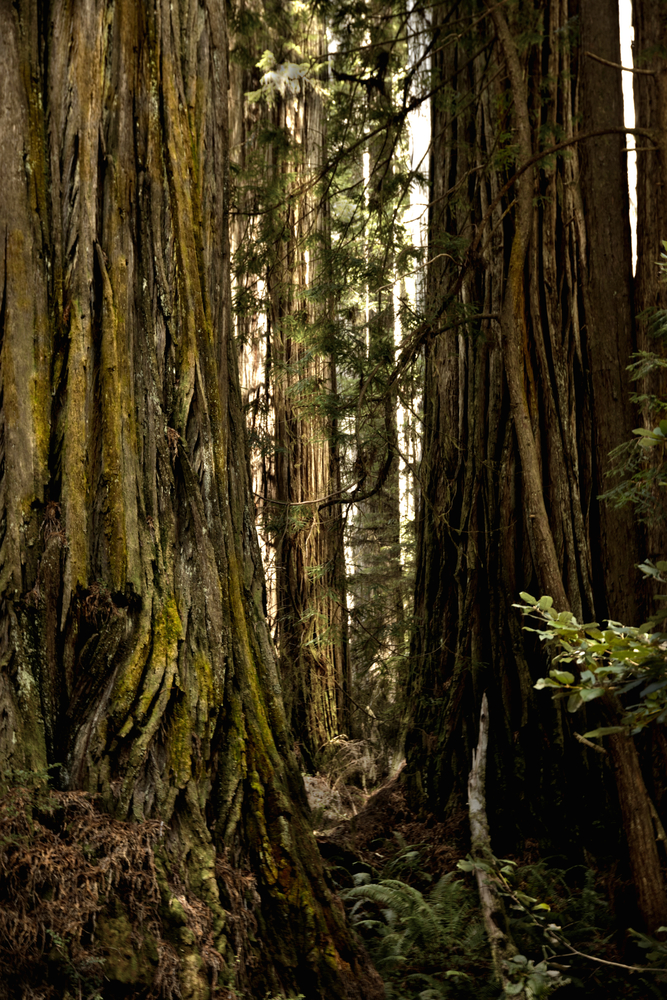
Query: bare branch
<point>614,65</point>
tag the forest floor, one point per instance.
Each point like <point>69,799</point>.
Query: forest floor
<point>385,825</point>
<point>411,895</point>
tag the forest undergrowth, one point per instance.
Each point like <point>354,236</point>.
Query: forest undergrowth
<point>409,889</point>
<point>406,881</point>
<point>91,907</point>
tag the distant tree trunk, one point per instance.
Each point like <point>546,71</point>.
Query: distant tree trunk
<point>376,583</point>
<point>609,308</point>
<point>521,412</point>
<point>650,91</point>
<point>133,645</point>
<point>299,463</point>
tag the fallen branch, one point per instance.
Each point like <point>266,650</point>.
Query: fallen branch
<point>493,911</point>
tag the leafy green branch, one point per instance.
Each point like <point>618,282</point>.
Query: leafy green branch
<point>609,663</point>
<point>532,978</point>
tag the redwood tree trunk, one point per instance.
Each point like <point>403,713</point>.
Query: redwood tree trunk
<point>295,460</point>
<point>133,646</point>
<point>521,412</point>
<point>609,308</point>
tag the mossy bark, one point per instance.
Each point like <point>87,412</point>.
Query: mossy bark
<point>133,647</point>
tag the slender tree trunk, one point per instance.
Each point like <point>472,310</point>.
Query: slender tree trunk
<point>608,301</point>
<point>639,831</point>
<point>134,651</point>
<point>611,342</point>
<point>650,91</point>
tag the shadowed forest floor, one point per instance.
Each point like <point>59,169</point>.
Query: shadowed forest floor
<point>418,911</point>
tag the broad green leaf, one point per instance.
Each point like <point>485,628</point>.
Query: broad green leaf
<point>648,569</point>
<point>654,687</point>
<point>545,603</point>
<point>597,647</point>
<point>562,676</point>
<point>605,731</point>
<point>513,990</point>
<point>527,598</point>
<point>545,682</point>
<point>574,702</point>
<point>589,694</point>
<point>630,685</point>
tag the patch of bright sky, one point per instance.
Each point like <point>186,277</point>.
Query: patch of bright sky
<point>415,221</point>
<point>627,38</point>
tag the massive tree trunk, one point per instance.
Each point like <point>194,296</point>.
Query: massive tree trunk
<point>133,647</point>
<point>521,410</point>
<point>279,148</point>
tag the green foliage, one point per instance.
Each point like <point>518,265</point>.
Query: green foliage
<point>655,951</point>
<point>531,979</point>
<point>428,940</point>
<point>609,663</point>
<point>423,943</point>
<point>561,917</point>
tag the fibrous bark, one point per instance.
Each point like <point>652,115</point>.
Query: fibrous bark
<point>133,648</point>
<point>521,411</point>
<point>279,148</point>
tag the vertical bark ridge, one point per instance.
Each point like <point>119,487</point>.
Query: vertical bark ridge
<point>134,653</point>
<point>479,481</point>
<point>284,369</point>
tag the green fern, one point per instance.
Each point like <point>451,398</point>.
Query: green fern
<point>429,943</point>
<point>423,944</point>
